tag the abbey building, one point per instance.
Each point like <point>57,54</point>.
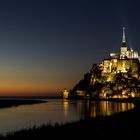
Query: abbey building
<point>117,76</point>
<point>126,61</point>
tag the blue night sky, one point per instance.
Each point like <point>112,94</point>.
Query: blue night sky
<point>48,45</point>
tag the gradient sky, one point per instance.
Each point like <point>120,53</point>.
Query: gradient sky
<point>48,45</point>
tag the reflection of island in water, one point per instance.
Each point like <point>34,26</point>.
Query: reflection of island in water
<point>105,108</point>
<point>89,109</point>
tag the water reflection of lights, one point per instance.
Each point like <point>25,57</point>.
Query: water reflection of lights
<point>65,106</point>
<point>105,108</point>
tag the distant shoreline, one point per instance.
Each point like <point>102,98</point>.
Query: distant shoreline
<point>5,103</point>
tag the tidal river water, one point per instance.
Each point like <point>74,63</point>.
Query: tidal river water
<point>56,110</point>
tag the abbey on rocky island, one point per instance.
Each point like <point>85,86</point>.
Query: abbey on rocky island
<point>117,76</point>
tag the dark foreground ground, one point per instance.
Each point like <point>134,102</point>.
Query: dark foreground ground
<point>124,125</point>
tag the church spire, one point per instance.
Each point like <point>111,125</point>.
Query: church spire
<point>124,44</point>
<point>123,38</point>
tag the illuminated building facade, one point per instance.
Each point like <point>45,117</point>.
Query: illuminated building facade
<point>65,93</point>
<point>127,61</point>
<point>116,77</point>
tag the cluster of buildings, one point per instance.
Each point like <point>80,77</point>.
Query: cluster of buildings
<point>127,63</point>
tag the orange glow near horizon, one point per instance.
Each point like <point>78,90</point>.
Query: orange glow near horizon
<point>30,81</point>
<point>27,90</point>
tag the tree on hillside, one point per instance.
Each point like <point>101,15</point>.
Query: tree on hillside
<point>95,74</point>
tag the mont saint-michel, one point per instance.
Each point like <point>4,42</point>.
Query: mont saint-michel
<point>117,76</point>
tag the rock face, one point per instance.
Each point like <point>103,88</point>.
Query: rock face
<point>113,85</point>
